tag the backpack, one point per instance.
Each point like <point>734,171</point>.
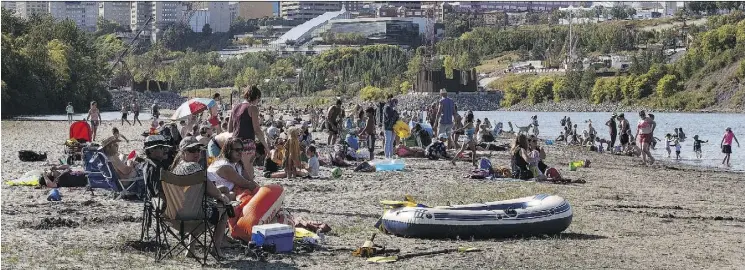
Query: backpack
<point>31,156</point>
<point>485,164</point>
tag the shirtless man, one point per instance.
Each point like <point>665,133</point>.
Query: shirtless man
<point>95,116</point>
<point>333,122</point>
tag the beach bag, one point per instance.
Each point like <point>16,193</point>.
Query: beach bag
<point>31,156</point>
<point>553,173</point>
<point>485,164</point>
<point>479,174</point>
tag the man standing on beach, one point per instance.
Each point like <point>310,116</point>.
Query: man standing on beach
<point>333,121</point>
<point>613,131</point>
<point>70,111</point>
<point>445,114</point>
<point>136,112</point>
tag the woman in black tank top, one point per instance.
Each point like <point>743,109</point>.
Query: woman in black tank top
<point>244,124</point>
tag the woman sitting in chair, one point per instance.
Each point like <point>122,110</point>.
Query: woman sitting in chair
<point>124,169</point>
<point>186,163</point>
<point>227,171</point>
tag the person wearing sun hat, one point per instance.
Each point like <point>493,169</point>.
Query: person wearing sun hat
<point>156,158</point>
<point>110,148</point>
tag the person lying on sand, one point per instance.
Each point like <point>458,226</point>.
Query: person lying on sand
<point>403,152</point>
<point>61,176</point>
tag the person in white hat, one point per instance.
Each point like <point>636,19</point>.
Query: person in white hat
<point>444,117</point>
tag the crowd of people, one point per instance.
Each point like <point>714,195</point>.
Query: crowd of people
<point>163,99</point>
<point>231,144</point>
<point>639,143</point>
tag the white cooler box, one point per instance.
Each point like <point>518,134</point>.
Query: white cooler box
<point>280,235</point>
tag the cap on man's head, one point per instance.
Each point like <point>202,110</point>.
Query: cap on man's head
<point>153,141</point>
<point>189,142</point>
<point>443,91</point>
<point>443,136</point>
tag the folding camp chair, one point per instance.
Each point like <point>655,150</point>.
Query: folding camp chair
<point>153,205</point>
<point>184,216</point>
<point>101,174</point>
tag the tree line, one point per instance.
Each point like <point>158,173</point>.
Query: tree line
<point>46,63</point>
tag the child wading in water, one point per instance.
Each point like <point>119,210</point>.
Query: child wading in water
<point>697,145</point>
<point>677,148</point>
<point>668,143</point>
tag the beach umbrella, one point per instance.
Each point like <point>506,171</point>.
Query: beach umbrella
<point>193,106</point>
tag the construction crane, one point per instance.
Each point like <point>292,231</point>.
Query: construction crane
<point>127,49</point>
<point>430,37</point>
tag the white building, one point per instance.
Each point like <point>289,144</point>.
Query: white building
<point>118,12</point>
<point>139,13</point>
<point>26,9</point>
<point>306,10</point>
<point>216,14</point>
<point>84,14</point>
<point>9,5</point>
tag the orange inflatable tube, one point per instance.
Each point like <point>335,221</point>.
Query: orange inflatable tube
<point>255,209</point>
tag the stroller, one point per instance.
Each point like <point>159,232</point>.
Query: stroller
<point>80,135</point>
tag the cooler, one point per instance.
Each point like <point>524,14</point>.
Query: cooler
<point>280,235</point>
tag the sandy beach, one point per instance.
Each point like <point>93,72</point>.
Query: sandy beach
<point>626,216</point>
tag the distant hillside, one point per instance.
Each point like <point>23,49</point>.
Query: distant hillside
<point>710,75</point>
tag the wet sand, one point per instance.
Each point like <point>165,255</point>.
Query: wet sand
<point>625,217</point>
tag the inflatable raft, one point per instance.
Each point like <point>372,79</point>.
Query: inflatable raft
<point>255,209</point>
<point>541,214</point>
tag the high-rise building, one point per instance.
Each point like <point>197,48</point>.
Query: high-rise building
<point>255,10</point>
<point>306,10</point>
<point>233,6</point>
<point>139,13</point>
<point>118,12</point>
<point>9,5</point>
<point>84,14</point>
<point>216,14</point>
<point>27,9</point>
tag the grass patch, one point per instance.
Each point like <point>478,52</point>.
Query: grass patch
<point>498,63</point>
<point>505,81</point>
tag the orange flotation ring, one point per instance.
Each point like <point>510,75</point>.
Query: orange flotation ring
<point>255,209</point>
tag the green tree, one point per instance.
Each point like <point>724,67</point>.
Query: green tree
<point>207,29</point>
<point>249,76</point>
<point>667,86</point>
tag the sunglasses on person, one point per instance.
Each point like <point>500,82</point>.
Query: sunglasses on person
<point>193,150</point>
<point>238,149</point>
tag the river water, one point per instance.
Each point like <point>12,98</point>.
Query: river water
<point>707,126</point>
<point>106,116</point>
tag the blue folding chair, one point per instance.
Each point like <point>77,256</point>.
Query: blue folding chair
<point>101,174</point>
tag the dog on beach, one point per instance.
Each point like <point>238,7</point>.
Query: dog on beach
<point>524,130</point>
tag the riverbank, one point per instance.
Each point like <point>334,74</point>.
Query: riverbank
<point>585,106</point>
<point>626,216</point>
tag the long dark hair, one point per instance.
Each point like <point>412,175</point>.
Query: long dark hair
<point>227,149</point>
